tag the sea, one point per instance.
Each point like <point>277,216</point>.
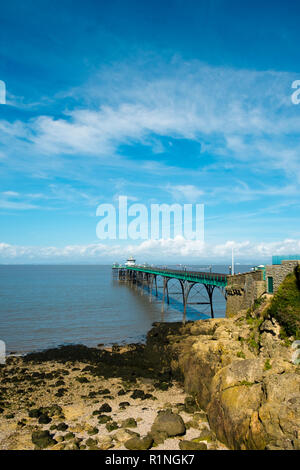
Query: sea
<point>45,306</point>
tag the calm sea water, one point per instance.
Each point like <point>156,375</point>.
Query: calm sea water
<point>46,306</point>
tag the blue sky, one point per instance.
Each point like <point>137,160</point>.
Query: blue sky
<point>162,101</point>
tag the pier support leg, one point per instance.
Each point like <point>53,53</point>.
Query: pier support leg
<point>151,287</point>
<point>184,310</point>
<point>164,293</point>
<point>210,291</point>
<point>185,293</point>
<point>168,299</point>
<point>142,283</point>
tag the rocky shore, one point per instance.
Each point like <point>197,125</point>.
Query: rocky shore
<point>79,398</point>
<point>213,384</point>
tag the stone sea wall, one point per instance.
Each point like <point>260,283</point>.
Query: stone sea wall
<point>242,290</point>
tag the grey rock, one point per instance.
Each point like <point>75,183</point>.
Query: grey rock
<point>139,443</point>
<point>191,445</point>
<point>170,423</point>
<point>129,423</point>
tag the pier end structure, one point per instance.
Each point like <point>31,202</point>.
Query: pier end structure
<point>243,289</point>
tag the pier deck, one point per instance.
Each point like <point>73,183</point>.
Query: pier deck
<point>147,276</point>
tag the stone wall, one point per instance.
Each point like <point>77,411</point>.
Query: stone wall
<point>242,290</point>
<point>279,272</point>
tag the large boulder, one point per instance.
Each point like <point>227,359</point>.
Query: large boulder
<point>170,423</point>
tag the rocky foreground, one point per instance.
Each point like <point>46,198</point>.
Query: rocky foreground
<point>213,384</point>
<point>108,399</point>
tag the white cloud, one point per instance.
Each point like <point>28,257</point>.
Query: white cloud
<point>16,205</point>
<point>10,193</point>
<point>152,251</point>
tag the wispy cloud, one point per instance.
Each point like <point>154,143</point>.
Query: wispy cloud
<point>187,193</point>
<point>247,115</point>
<point>16,205</point>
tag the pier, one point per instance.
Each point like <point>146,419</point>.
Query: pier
<point>147,277</point>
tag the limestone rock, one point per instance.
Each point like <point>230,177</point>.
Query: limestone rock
<point>71,446</point>
<point>102,419</point>
<point>92,430</point>
<point>280,415</point>
<point>92,443</point>
<point>112,426</point>
<point>59,446</point>
<point>170,423</point>
<point>190,405</point>
<point>62,427</point>
<point>236,393</point>
<point>129,423</point>
<point>205,435</point>
<point>42,439</point>
<point>158,437</point>
<point>138,443</point>
<point>123,435</point>
<point>249,405</point>
<point>270,326</point>
<point>191,424</point>
<point>202,327</point>
<point>105,408</point>
<point>44,419</point>
<point>191,445</point>
<point>105,442</point>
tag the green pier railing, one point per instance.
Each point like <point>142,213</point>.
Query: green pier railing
<point>215,279</point>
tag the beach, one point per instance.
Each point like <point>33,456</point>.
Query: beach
<point>100,402</point>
